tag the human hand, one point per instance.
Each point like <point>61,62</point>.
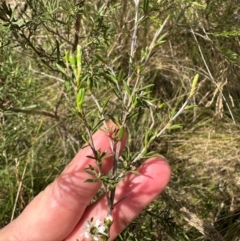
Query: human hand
<point>59,212</point>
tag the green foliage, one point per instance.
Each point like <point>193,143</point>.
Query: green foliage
<point>155,69</point>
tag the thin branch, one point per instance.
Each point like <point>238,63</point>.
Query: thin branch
<point>100,110</point>
<point>33,112</point>
<point>95,154</point>
<point>78,4</point>
<point>154,40</point>
<point>129,108</point>
<point>158,134</point>
<point>116,154</point>
<point>144,62</point>
<point>133,47</point>
<point>48,114</point>
<point>56,33</point>
<point>134,41</point>
<point>48,75</point>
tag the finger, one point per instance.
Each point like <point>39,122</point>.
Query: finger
<point>52,215</point>
<point>133,194</point>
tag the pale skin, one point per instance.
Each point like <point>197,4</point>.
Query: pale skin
<point>59,212</point>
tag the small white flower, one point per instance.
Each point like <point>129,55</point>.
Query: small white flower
<point>109,218</point>
<point>95,230</point>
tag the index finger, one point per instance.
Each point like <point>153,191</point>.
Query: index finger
<point>53,214</point>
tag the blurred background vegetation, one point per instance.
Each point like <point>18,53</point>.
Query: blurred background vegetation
<point>41,131</point>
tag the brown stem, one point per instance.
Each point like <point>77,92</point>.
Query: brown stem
<point>79,4</point>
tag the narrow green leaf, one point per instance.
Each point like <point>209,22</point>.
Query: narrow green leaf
<point>121,132</point>
<point>106,155</point>
<point>194,84</point>
<point>133,114</point>
<point>100,58</point>
<point>79,55</point>
<point>145,87</point>
<point>80,99</point>
<point>134,172</point>
<point>91,157</point>
<point>173,127</point>
<point>66,56</point>
<point>85,138</point>
<point>160,39</point>
<point>160,106</point>
<point>145,5</point>
<point>146,137</point>
<point>60,68</point>
<point>159,116</point>
<point>127,88</point>
<point>151,154</point>
<point>113,119</point>
<point>189,107</point>
<point>96,127</point>
<point>89,83</point>
<point>91,180</point>
<point>116,91</point>
<point>105,103</point>
<point>79,63</point>
<point>72,60</point>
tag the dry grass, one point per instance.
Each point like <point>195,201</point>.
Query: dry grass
<point>205,161</point>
